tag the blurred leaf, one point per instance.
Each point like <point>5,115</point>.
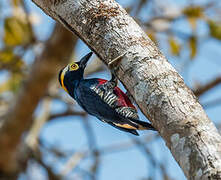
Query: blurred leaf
<point>12,84</point>
<point>10,61</point>
<point>193,11</point>
<point>17,32</point>
<point>193,46</point>
<point>15,81</point>
<point>6,55</point>
<point>4,87</point>
<point>16,3</point>
<point>152,36</point>
<point>215,29</point>
<point>174,46</point>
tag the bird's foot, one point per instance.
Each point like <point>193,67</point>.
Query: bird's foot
<point>113,65</point>
<point>110,84</point>
<point>113,82</point>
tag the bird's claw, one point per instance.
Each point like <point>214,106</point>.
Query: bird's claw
<point>113,65</point>
<point>113,80</point>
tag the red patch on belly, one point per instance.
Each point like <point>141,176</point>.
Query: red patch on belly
<point>123,99</point>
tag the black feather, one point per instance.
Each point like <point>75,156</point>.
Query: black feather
<point>144,124</point>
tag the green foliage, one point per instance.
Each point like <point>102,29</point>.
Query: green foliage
<point>12,84</point>
<point>13,63</point>
<point>16,32</point>
<point>193,11</point>
<point>215,29</point>
<point>17,37</point>
<point>6,55</point>
<point>10,61</point>
<point>193,46</point>
<point>174,46</point>
<point>16,3</point>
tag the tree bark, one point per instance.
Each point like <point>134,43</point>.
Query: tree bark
<point>55,55</point>
<point>157,88</point>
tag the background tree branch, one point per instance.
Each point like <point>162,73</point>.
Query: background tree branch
<point>55,55</point>
<point>204,88</point>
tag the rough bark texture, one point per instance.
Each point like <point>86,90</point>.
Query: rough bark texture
<point>157,88</point>
<point>55,55</point>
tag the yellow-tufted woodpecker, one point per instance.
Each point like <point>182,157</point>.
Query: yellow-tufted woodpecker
<point>101,98</point>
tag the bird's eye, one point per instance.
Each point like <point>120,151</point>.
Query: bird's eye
<point>74,67</point>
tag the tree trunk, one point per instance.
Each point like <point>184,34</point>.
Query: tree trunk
<point>18,119</point>
<point>157,88</point>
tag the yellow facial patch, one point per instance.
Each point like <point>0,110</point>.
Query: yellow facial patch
<point>74,67</point>
<point>62,78</point>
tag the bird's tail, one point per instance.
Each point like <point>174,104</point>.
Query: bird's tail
<point>143,125</point>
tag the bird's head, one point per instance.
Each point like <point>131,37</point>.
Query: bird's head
<point>73,71</point>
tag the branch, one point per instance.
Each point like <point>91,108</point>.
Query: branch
<point>67,113</point>
<point>72,163</point>
<point>80,155</point>
<point>46,66</point>
<point>92,145</point>
<point>37,155</point>
<point>204,88</point>
<point>157,88</point>
<point>39,121</point>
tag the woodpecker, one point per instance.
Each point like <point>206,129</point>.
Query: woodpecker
<point>101,98</point>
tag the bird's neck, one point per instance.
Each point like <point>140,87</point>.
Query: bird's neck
<point>72,85</point>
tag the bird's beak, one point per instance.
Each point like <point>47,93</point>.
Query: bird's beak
<point>84,60</point>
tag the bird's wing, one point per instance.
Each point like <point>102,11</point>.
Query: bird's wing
<point>131,129</point>
<point>117,99</point>
<point>112,107</point>
<point>123,106</point>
